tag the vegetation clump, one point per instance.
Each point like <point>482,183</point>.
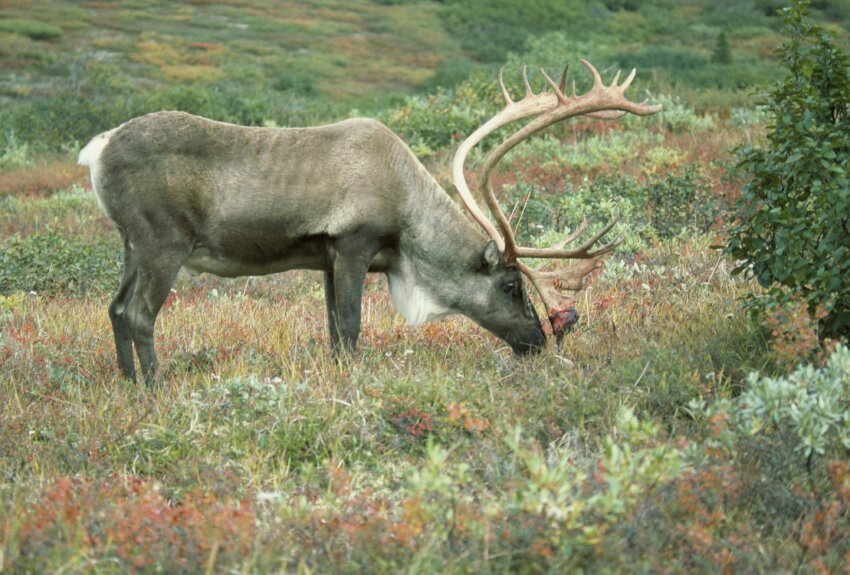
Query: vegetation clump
<point>793,233</point>
<point>31,28</point>
<point>51,263</point>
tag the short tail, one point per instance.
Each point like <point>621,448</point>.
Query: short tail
<point>91,156</point>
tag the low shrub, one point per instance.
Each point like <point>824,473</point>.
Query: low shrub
<point>74,115</point>
<point>810,407</point>
<point>14,153</point>
<point>660,208</point>
<point>489,29</point>
<point>51,263</point>
<point>675,116</point>
<point>129,522</point>
<point>31,28</point>
<point>41,180</point>
<point>788,438</point>
<point>428,123</point>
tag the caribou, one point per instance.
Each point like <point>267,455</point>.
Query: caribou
<point>347,199</point>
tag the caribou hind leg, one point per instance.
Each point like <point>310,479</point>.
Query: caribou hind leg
<point>118,308</point>
<point>155,276</point>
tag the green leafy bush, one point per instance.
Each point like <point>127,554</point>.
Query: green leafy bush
<point>680,202</point>
<point>667,57</point>
<point>793,234</point>
<point>789,438</point>
<point>592,153</point>
<point>51,263</point>
<point>675,117</point>
<point>31,28</point>
<point>661,208</point>
<point>77,113</point>
<point>441,119</point>
<point>489,29</point>
<point>811,404</point>
<point>13,153</point>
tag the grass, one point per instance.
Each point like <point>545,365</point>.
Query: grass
<point>258,416</point>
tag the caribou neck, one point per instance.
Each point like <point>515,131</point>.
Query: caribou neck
<point>440,248</point>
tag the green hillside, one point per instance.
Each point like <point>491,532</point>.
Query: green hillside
<point>337,49</point>
<point>348,50</point>
<point>70,70</point>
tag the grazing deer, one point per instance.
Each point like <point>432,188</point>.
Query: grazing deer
<point>347,199</point>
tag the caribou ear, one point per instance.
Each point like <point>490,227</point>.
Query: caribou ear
<point>492,256</point>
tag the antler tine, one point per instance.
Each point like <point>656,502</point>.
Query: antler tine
<point>616,78</point>
<point>581,252</point>
<point>597,79</point>
<point>559,92</point>
<point>563,83</point>
<point>609,247</point>
<point>573,236</point>
<point>505,93</point>
<point>629,79</point>
<point>528,91</point>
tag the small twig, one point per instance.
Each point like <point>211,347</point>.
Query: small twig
<point>212,558</point>
<point>713,271</point>
<point>640,377</point>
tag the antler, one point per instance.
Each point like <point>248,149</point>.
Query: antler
<point>547,108</point>
<point>531,105</point>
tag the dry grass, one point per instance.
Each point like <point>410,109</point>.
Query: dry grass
<point>41,180</point>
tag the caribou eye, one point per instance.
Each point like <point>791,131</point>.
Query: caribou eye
<point>509,287</point>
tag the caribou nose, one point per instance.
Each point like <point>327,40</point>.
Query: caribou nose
<point>531,342</point>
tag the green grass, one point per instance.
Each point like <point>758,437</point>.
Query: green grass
<point>31,28</point>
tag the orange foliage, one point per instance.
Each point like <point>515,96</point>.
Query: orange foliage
<point>205,46</point>
<point>794,335</point>
<point>43,180</point>
<point>130,518</point>
<point>459,414</point>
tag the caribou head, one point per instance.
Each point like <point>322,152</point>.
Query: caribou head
<point>556,287</point>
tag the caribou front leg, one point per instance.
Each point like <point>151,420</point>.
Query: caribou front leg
<point>344,291</point>
<point>330,306</point>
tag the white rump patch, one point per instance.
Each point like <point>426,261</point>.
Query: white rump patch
<point>411,300</point>
<point>90,156</point>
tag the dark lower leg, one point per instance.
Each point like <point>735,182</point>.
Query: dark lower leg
<point>330,306</point>
<point>117,309</point>
<point>152,288</point>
